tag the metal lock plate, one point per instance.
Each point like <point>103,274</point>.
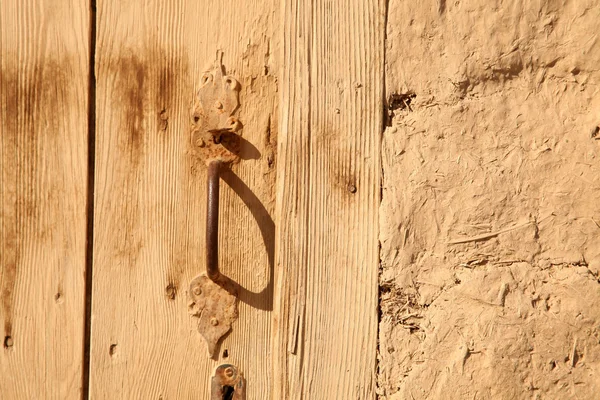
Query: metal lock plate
<point>228,384</point>
<point>215,306</point>
<point>215,130</point>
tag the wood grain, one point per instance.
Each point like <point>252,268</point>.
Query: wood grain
<point>328,189</point>
<point>150,196</point>
<point>44,50</point>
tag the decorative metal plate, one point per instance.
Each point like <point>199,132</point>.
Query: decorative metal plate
<point>214,130</point>
<point>215,306</point>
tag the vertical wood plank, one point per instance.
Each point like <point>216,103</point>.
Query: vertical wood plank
<point>150,196</point>
<point>328,188</point>
<point>44,57</point>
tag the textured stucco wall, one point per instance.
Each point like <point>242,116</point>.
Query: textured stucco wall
<point>490,220</point>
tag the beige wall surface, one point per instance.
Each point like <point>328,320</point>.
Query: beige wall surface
<point>490,223</point>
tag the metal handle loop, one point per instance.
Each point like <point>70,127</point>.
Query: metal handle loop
<point>212,221</point>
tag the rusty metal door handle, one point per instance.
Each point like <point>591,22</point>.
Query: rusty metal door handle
<point>212,220</point>
<point>213,296</point>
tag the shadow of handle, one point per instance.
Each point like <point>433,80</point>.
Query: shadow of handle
<point>262,300</point>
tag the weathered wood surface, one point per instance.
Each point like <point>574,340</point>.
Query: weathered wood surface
<point>150,197</point>
<point>44,52</point>
<point>328,185</point>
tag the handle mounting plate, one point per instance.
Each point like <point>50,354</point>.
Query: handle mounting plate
<point>214,129</point>
<point>215,306</point>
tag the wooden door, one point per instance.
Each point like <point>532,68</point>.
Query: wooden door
<point>298,227</point>
<point>150,199</point>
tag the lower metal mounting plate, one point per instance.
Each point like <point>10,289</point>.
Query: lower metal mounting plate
<point>215,306</point>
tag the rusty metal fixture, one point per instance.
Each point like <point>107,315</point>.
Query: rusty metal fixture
<point>215,307</point>
<point>228,383</point>
<point>215,131</point>
<point>212,220</point>
<point>213,296</point>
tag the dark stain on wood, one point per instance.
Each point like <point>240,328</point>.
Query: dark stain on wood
<point>130,91</point>
<point>146,88</point>
<point>344,159</point>
<point>35,98</point>
<point>142,87</point>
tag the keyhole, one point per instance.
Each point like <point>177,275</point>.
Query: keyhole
<point>228,392</point>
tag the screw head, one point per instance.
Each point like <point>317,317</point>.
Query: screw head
<point>214,321</point>
<point>197,291</point>
<point>229,372</point>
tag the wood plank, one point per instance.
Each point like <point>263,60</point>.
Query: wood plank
<point>44,57</point>
<point>150,196</point>
<point>328,190</point>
